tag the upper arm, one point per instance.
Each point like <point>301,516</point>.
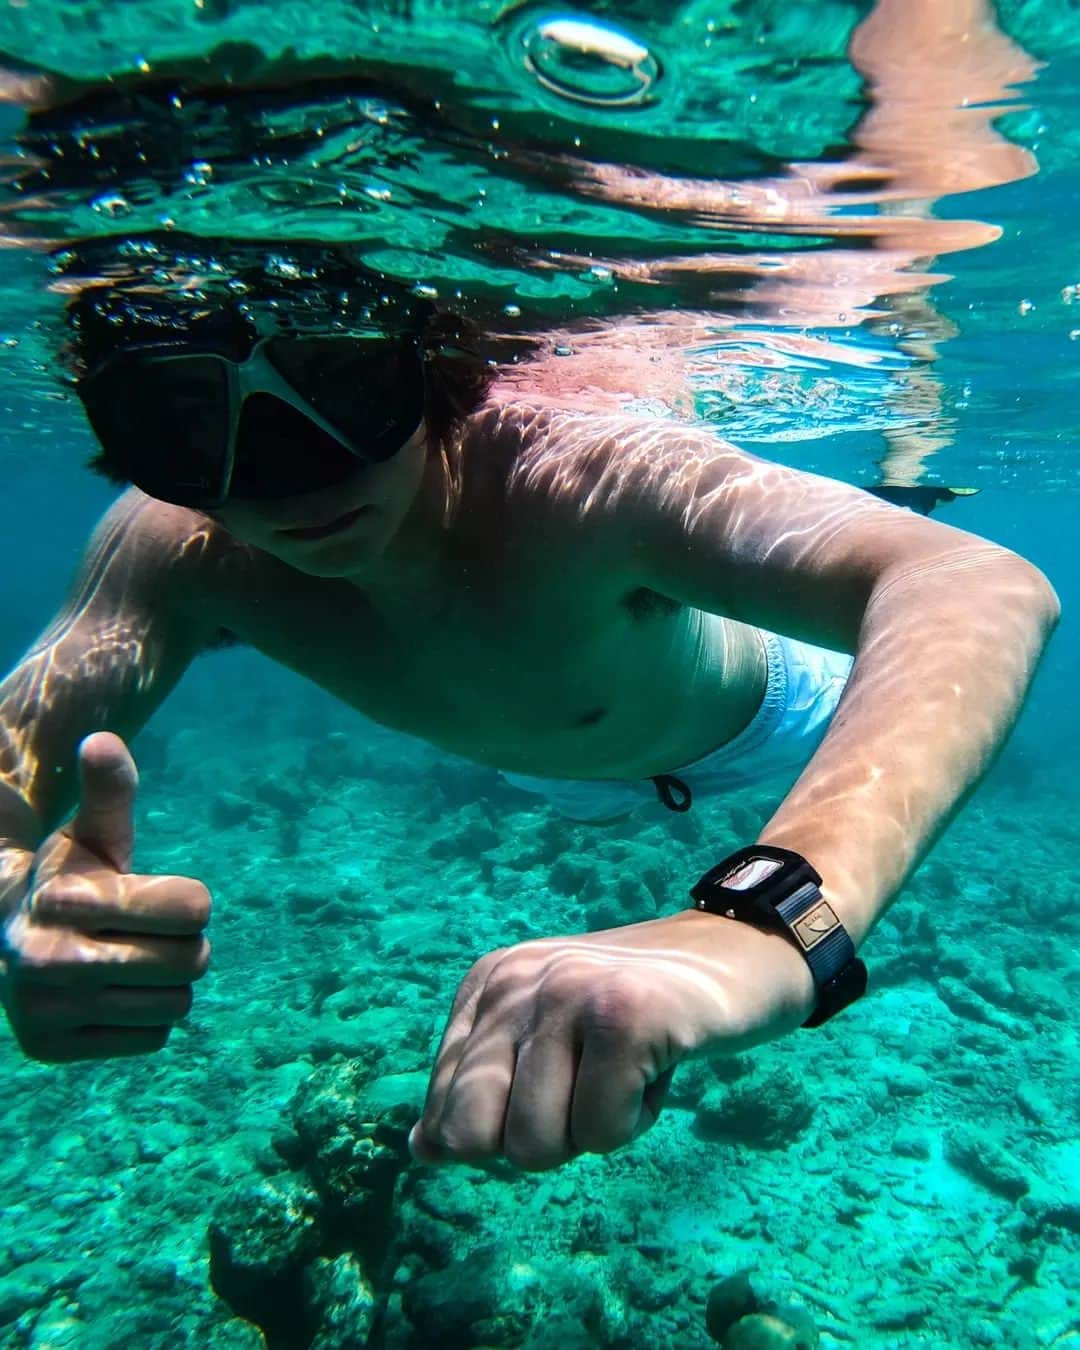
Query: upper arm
<point>789,551</point>
<point>124,635</point>
<point>717,528</point>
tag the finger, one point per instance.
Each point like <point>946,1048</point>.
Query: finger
<point>97,1043</point>
<point>609,1095</point>
<point>536,1135</point>
<point>454,1039</point>
<point>108,778</point>
<point>53,1010</point>
<point>103,901</point>
<point>60,957</point>
<point>470,1124</point>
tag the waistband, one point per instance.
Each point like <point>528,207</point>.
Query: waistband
<point>768,717</point>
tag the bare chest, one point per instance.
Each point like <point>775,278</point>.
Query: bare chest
<point>544,666</point>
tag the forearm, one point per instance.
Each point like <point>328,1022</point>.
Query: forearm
<point>945,656</point>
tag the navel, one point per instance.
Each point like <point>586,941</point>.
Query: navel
<point>643,603</point>
<point>591,718</point>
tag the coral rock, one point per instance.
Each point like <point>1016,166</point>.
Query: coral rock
<point>762,1331</point>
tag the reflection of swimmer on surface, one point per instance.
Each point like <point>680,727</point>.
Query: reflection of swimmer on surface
<point>937,76</point>
<point>574,596</point>
<point>938,73</point>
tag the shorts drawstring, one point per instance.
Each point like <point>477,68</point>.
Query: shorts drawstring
<point>673,792</point>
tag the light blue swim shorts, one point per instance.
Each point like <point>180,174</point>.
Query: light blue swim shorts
<point>803,688</point>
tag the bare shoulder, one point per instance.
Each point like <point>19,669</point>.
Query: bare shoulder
<point>158,558</point>
<point>590,463</point>
<point>661,477</point>
<point>675,508</point>
<point>669,481</point>
<point>139,525</point>
<point>603,462</point>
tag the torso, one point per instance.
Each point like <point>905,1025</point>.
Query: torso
<point>529,647</point>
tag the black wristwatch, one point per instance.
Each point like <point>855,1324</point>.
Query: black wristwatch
<point>777,889</point>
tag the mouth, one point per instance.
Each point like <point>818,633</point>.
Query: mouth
<point>326,528</point>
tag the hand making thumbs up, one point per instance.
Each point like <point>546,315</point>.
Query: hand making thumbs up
<point>99,961</point>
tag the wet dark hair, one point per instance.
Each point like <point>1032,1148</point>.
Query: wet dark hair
<point>150,291</point>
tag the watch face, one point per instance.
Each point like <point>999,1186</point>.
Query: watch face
<point>749,873</point>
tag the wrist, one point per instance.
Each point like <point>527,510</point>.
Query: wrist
<point>856,904</point>
<point>775,988</point>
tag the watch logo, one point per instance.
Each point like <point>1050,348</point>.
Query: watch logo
<point>815,925</point>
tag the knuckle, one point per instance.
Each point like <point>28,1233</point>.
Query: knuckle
<point>201,962</point>
<point>527,962</point>
<point>443,1137</point>
<point>463,1134</point>
<point>481,971</point>
<point>34,952</point>
<point>200,905</point>
<point>562,983</point>
<point>618,1006</point>
<point>57,900</point>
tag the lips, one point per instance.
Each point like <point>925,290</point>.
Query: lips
<point>326,528</point>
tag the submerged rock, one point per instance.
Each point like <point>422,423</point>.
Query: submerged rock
<point>301,1254</point>
<point>740,1319</point>
<point>342,1298</point>
<point>729,1300</point>
<point>262,1237</point>
<point>474,1301</point>
<point>769,1112</point>
<point>353,1132</point>
<point>763,1331</point>
<point>978,1155</point>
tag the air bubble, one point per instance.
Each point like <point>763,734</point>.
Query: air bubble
<point>112,204</point>
<point>586,61</point>
<point>284,268</point>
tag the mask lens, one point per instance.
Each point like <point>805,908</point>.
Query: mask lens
<point>282,453</point>
<point>165,425</point>
<point>369,389</point>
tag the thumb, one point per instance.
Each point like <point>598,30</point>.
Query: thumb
<point>104,822</point>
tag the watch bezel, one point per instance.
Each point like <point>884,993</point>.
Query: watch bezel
<point>757,903</point>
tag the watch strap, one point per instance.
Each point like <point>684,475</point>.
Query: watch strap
<point>815,928</point>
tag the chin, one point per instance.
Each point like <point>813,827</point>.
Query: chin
<point>353,559</point>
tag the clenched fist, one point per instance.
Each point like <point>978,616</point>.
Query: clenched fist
<point>567,1045</point>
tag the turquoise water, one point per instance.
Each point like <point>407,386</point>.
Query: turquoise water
<point>847,249</point>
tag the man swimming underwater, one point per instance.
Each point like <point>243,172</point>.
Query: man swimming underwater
<point>589,602</point>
